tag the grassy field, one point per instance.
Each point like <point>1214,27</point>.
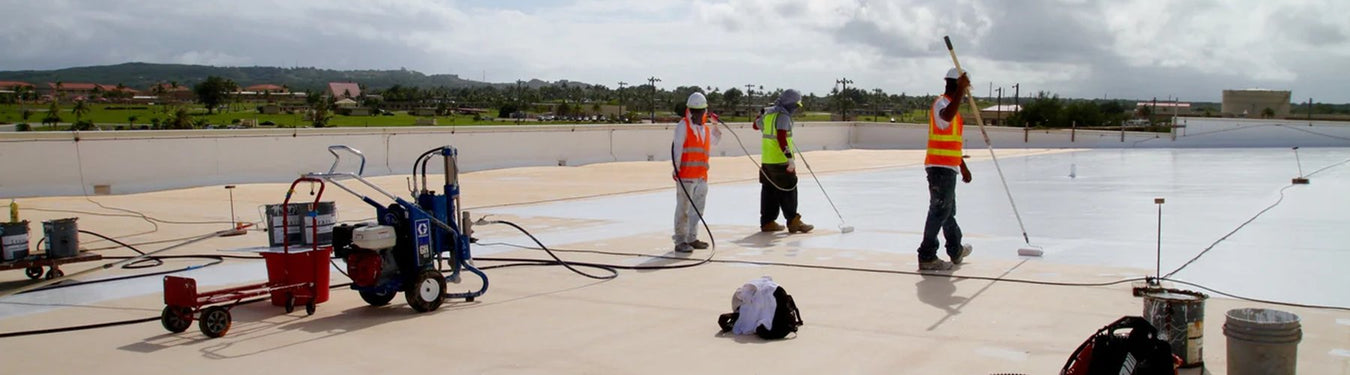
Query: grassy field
<point>115,115</point>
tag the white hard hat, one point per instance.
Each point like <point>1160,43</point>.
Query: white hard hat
<point>953,74</point>
<point>696,101</point>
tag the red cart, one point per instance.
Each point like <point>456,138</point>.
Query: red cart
<point>293,278</point>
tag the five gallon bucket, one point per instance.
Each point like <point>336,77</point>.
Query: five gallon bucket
<point>1262,341</point>
<point>62,238</point>
<point>1179,316</point>
<point>13,241</point>
<point>302,223</point>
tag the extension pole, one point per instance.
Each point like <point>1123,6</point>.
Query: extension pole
<point>1158,264</point>
<point>976,109</point>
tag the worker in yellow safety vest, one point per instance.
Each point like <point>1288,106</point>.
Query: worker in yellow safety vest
<point>778,170</point>
<point>942,162</point>
<point>694,138</point>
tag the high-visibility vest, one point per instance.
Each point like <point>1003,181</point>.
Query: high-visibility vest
<point>694,158</point>
<point>944,145</point>
<point>772,152</point>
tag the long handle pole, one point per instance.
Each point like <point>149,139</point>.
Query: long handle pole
<point>976,109</point>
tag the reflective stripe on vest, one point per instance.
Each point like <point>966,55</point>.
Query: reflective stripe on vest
<point>694,157</point>
<point>944,145</point>
<point>771,152</point>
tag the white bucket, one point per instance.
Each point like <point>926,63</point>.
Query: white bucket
<point>1262,341</point>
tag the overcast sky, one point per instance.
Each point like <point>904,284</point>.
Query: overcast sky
<point>1134,49</point>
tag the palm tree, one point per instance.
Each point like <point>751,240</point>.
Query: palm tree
<point>53,115</point>
<point>180,120</point>
<point>22,92</point>
<point>81,109</point>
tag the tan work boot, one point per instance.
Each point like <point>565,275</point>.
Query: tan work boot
<point>797,226</point>
<point>772,226</point>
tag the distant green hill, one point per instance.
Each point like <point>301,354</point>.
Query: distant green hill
<point>141,76</point>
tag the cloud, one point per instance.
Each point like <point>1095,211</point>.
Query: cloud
<point>1077,48</point>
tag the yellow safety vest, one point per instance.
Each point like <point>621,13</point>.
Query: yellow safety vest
<point>771,152</point>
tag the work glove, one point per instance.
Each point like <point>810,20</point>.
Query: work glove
<point>792,166</point>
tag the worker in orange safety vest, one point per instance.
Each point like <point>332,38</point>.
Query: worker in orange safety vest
<point>942,162</point>
<point>694,138</point>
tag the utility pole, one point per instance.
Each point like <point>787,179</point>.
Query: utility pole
<point>1017,107</point>
<point>750,101</point>
<point>998,107</point>
<point>844,82</point>
<point>653,80</point>
<point>622,112</point>
<point>1310,111</point>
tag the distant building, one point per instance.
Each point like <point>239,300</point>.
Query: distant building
<point>12,86</point>
<point>1255,103</point>
<point>996,115</point>
<point>70,90</point>
<point>172,93</point>
<point>269,88</point>
<point>339,90</point>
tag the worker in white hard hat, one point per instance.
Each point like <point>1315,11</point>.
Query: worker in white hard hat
<point>942,163</point>
<point>694,138</point>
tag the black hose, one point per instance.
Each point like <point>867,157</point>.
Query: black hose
<point>133,265</point>
<point>558,261</point>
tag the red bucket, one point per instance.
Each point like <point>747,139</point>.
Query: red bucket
<point>299,266</point>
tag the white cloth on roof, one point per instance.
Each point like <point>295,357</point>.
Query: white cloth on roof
<point>756,304</point>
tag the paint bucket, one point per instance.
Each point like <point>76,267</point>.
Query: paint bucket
<point>1179,316</point>
<point>13,241</point>
<point>276,234</point>
<point>63,239</point>
<point>1262,341</point>
<point>317,224</point>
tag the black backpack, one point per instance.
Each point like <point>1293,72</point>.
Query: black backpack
<point>786,318</point>
<point>1140,352</point>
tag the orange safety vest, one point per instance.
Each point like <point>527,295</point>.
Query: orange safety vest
<point>694,158</point>
<point>944,145</point>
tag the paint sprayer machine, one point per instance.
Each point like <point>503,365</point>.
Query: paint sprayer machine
<point>412,243</point>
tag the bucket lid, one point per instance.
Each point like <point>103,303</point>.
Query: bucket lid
<point>1261,316</point>
<point>1176,295</point>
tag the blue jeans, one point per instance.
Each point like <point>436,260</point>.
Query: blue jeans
<point>941,214</point>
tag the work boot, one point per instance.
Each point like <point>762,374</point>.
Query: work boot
<point>935,265</point>
<point>797,226</point>
<point>700,245</point>
<point>961,256</point>
<point>772,226</point>
<point>684,248</point>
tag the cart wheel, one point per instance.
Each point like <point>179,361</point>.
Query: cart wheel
<point>176,319</point>
<point>427,293</point>
<point>33,272</point>
<point>54,273</point>
<point>377,298</point>
<point>290,303</point>
<point>215,321</point>
<point>309,308</point>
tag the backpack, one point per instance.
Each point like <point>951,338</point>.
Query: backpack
<point>1140,352</point>
<point>786,317</point>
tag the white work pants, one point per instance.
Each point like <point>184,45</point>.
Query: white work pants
<point>686,220</point>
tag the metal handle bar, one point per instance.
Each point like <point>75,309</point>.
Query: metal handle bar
<point>337,158</point>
